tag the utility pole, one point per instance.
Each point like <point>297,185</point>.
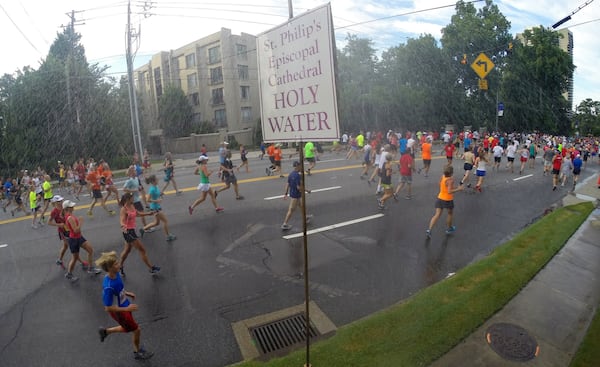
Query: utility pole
<point>133,106</point>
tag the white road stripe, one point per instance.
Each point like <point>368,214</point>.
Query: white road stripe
<point>316,190</point>
<point>334,226</point>
<point>4,245</point>
<point>521,178</point>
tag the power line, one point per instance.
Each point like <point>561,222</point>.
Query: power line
<point>20,31</point>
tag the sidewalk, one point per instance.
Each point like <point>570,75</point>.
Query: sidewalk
<point>555,308</point>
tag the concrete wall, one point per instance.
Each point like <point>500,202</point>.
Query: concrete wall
<point>193,143</point>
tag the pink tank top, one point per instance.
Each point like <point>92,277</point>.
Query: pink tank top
<point>131,214</point>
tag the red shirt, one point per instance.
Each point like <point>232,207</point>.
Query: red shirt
<point>557,162</point>
<point>92,178</point>
<point>56,214</point>
<point>449,148</point>
<point>406,165</point>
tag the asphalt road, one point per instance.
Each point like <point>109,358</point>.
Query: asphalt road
<point>235,265</point>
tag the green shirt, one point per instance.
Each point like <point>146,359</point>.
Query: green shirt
<point>309,150</point>
<point>47,187</point>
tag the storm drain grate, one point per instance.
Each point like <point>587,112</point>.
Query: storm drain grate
<point>281,334</point>
<point>512,342</point>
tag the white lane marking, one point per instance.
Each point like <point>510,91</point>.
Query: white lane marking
<point>4,245</point>
<point>334,226</point>
<point>316,190</point>
<point>521,178</point>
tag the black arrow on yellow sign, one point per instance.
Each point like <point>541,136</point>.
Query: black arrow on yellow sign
<point>484,63</point>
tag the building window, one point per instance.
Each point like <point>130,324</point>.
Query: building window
<point>246,114</point>
<point>214,55</point>
<point>244,92</point>
<point>242,52</point>
<point>217,96</point>
<point>157,82</point>
<point>216,75</point>
<point>194,99</point>
<point>243,72</point>
<point>220,118</point>
<point>190,61</point>
<point>192,81</point>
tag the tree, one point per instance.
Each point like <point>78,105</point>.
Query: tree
<point>470,33</point>
<point>587,118</point>
<point>534,79</point>
<point>356,79</point>
<point>175,113</point>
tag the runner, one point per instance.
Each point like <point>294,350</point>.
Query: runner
<point>511,151</point>
<point>497,152</point>
<point>480,164</point>
<point>57,220</point>
<point>76,241</point>
<point>154,198</point>
<point>134,187</point>
<point>445,200</point>
<point>127,219</point>
<point>229,177</point>
<point>309,155</point>
<point>169,169</point>
<point>294,189</point>
<point>469,159</point>
<point>244,158</point>
<point>386,181</point>
<point>577,163</point>
<point>116,302</point>
<point>204,186</point>
<point>109,185</point>
<point>48,195</point>
<point>34,206</point>
<point>93,178</point>
<point>426,156</point>
<point>556,164</point>
<point>406,169</point>
<point>524,156</point>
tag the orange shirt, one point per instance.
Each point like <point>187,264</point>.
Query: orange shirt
<point>271,150</point>
<point>277,154</point>
<point>426,150</point>
<point>445,193</point>
<point>92,178</point>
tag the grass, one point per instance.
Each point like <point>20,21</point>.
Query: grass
<point>588,354</point>
<point>424,327</point>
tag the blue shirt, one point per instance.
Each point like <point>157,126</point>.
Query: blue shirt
<point>577,163</point>
<point>133,184</point>
<point>114,292</point>
<point>467,142</point>
<point>403,143</point>
<point>154,193</point>
<point>294,180</point>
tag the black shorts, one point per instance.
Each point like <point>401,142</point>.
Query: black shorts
<point>510,159</point>
<point>82,182</point>
<point>426,162</point>
<point>555,171</point>
<point>443,204</point>
<point>497,159</point>
<point>75,244</point>
<point>311,159</point>
<point>231,179</point>
<point>272,159</point>
<point>576,171</point>
<point>468,166</point>
<point>278,163</point>
<point>130,236</point>
<point>97,194</point>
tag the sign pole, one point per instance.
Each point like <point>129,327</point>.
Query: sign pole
<point>305,247</point>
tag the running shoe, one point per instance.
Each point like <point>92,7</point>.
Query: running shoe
<point>93,270</point>
<point>268,171</point>
<point>395,197</point>
<point>103,334</point>
<point>240,197</point>
<point>190,210</point>
<point>150,230</point>
<point>60,263</point>
<point>428,233</point>
<point>451,230</point>
<point>155,269</point>
<point>179,192</point>
<point>71,277</point>
<point>219,209</point>
<point>308,218</point>
<point>171,237</point>
<point>90,214</point>
<point>408,197</point>
<point>112,212</point>
<point>286,227</point>
<point>142,354</point>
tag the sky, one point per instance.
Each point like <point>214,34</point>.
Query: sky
<point>28,27</point>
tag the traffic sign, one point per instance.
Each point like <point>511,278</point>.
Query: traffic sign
<point>482,65</point>
<point>483,84</point>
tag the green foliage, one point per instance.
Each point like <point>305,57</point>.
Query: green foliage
<point>587,119</point>
<point>175,113</point>
<point>204,127</point>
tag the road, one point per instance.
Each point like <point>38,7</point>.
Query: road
<point>231,266</point>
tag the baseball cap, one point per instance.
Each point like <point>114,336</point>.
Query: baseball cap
<point>202,158</point>
<point>57,198</point>
<point>226,143</point>
<point>68,204</point>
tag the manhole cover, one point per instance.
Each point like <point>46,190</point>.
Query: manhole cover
<point>512,342</point>
<point>282,334</point>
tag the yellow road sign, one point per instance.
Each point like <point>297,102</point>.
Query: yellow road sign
<point>483,84</point>
<point>482,65</point>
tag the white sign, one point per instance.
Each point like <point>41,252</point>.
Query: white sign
<point>297,79</point>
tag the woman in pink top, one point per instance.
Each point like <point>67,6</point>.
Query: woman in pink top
<point>127,219</point>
